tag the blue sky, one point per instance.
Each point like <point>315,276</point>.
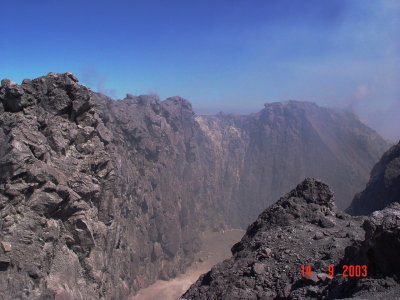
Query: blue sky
<point>221,55</point>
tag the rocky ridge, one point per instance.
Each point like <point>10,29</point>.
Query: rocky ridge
<point>303,228</point>
<point>86,205</point>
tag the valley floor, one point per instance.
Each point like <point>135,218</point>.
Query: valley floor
<point>215,248</point>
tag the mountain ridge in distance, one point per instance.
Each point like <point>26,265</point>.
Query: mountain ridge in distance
<point>296,139</point>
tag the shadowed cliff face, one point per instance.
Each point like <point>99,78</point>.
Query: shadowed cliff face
<point>99,198</point>
<point>383,187</point>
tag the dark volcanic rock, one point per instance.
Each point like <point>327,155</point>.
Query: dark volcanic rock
<point>382,241</point>
<point>266,263</point>
<point>282,239</point>
<point>379,251</point>
<point>383,187</point>
<point>99,198</point>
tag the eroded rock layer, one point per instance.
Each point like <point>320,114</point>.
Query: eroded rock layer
<point>99,198</point>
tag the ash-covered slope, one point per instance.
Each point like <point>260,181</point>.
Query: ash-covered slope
<point>99,198</point>
<point>383,187</point>
<point>304,228</point>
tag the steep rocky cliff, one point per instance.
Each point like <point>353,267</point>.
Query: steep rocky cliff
<point>303,228</point>
<point>282,144</point>
<point>99,198</point>
<point>383,187</point>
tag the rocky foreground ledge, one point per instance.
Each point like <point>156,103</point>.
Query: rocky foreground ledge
<point>303,228</point>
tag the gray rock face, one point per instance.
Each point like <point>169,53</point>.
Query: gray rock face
<point>55,173</point>
<point>273,150</point>
<point>99,198</point>
<point>266,263</point>
<point>383,187</point>
<point>379,250</point>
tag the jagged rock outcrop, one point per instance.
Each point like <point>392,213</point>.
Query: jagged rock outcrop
<point>99,198</point>
<point>304,228</point>
<point>301,228</point>
<point>383,187</point>
<point>379,251</point>
<point>55,170</point>
<point>87,208</point>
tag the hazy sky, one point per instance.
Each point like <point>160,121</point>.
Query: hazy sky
<point>224,55</point>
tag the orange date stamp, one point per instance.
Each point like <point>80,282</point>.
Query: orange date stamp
<point>346,271</point>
